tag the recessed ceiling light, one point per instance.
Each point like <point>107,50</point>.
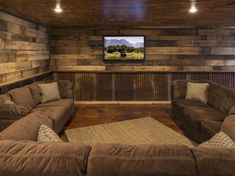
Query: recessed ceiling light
<point>193,8</point>
<point>58,8</point>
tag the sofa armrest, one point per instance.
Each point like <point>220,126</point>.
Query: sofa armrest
<point>215,161</point>
<point>66,89</point>
<point>141,160</point>
<point>46,159</point>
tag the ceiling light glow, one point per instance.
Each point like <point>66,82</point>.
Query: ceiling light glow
<point>58,8</point>
<point>193,8</point>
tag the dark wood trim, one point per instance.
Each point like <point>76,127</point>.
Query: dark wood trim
<point>2,9</point>
<point>25,79</point>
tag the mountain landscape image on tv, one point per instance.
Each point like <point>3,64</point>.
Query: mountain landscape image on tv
<point>124,48</point>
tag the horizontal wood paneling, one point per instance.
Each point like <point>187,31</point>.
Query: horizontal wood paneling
<point>24,50</point>
<point>152,86</point>
<point>167,49</point>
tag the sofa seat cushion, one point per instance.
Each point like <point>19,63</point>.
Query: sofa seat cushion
<point>141,160</point>
<point>196,115</point>
<point>215,161</point>
<point>182,103</point>
<point>58,114</point>
<point>26,128</point>
<point>211,127</point>
<point>22,96</point>
<point>67,103</point>
<point>43,159</point>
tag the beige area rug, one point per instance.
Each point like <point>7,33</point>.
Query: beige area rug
<point>138,131</point>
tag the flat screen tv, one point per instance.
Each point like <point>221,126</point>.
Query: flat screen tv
<point>124,48</point>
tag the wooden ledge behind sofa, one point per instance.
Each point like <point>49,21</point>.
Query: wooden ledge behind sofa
<point>135,68</point>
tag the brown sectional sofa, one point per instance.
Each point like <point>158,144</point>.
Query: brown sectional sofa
<point>58,111</point>
<point>22,155</point>
<point>201,120</point>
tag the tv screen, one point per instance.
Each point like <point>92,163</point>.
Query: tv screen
<point>124,48</point>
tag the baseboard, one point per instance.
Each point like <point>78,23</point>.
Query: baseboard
<point>123,102</point>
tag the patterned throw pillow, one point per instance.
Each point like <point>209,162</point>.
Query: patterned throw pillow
<point>46,134</point>
<point>221,140</point>
<point>197,91</point>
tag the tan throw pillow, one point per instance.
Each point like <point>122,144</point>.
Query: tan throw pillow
<point>46,134</point>
<point>49,92</point>
<point>221,140</point>
<point>197,91</point>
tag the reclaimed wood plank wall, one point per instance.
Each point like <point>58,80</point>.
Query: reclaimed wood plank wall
<point>24,51</point>
<point>173,53</point>
<point>167,49</point>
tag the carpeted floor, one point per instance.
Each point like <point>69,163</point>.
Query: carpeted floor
<point>138,131</point>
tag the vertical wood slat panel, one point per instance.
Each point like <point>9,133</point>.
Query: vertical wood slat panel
<point>124,86</point>
<point>104,87</point>
<point>161,92</point>
<point>84,86</point>
<point>143,86</point>
<point>134,86</point>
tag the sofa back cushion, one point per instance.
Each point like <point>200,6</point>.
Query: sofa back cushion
<point>141,160</point>
<point>36,93</point>
<point>215,161</point>
<point>26,128</point>
<point>22,96</point>
<point>221,97</point>
<point>42,159</point>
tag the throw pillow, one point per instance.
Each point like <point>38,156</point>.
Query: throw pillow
<point>49,92</point>
<point>36,92</point>
<point>221,140</point>
<point>46,134</point>
<point>197,91</point>
<point>22,96</point>
<point>9,110</point>
<point>5,99</point>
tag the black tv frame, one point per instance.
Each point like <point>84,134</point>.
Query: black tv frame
<point>124,60</point>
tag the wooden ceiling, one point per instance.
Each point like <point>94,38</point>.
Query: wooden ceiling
<point>90,13</point>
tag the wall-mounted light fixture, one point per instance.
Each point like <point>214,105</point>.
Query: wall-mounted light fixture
<point>58,8</point>
<point>193,8</point>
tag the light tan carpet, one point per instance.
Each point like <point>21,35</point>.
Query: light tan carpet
<point>138,131</point>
